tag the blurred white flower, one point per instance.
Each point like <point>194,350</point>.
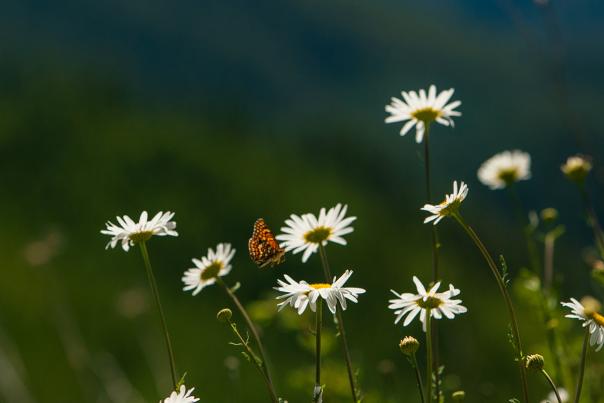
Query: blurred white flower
<point>420,109</point>
<point>591,319</point>
<point>576,168</point>
<point>183,396</point>
<point>551,398</point>
<point>299,295</point>
<point>439,303</point>
<point>449,206</point>
<point>208,268</point>
<point>505,168</point>
<point>306,232</point>
<point>129,232</point>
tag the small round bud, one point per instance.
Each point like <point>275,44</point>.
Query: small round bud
<point>224,315</point>
<point>549,215</point>
<point>590,305</point>
<point>409,345</point>
<point>458,396</point>
<point>576,168</point>
<point>535,362</point>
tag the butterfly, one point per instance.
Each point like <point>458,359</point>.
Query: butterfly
<point>263,247</point>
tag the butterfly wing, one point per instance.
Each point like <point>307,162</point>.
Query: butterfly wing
<point>263,247</point>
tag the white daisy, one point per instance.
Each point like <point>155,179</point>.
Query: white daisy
<point>306,232</point>
<point>439,303</point>
<point>299,295</point>
<point>449,206</point>
<point>592,319</point>
<point>576,168</point>
<point>551,397</point>
<point>129,232</point>
<point>505,168</point>
<point>421,109</point>
<point>207,269</point>
<point>183,396</point>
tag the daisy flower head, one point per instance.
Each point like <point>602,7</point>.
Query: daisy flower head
<point>183,396</point>
<point>449,206</point>
<point>576,168</point>
<point>420,109</point>
<point>300,294</point>
<point>306,232</point>
<point>129,233</point>
<point>505,168</point>
<point>207,269</point>
<point>587,312</point>
<point>408,305</point>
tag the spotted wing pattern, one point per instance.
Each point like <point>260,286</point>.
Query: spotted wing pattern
<point>263,247</point>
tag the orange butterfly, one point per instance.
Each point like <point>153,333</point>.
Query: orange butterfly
<point>263,247</point>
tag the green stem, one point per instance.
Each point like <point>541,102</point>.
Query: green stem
<point>592,219</point>
<point>418,378</point>
<point>318,326</point>
<point>252,327</point>
<point>552,384</point>
<point>526,229</point>
<point>582,366</point>
<point>429,356</point>
<point>257,362</point>
<point>155,292</point>
<point>341,328</point>
<point>506,296</point>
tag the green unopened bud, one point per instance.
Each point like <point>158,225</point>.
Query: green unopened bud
<point>224,315</point>
<point>549,215</point>
<point>409,345</point>
<point>576,168</point>
<point>535,362</point>
<point>458,396</point>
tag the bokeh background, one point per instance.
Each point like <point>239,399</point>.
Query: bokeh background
<point>225,111</point>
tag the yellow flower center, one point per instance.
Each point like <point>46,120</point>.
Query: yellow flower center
<point>320,285</point>
<point>426,115</point>
<point>212,270</point>
<point>317,235</point>
<point>141,236</point>
<point>596,317</point>
<point>429,303</point>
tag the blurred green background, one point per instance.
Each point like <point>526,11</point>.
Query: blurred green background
<point>225,111</point>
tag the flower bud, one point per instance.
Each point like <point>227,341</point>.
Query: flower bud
<point>458,396</point>
<point>576,168</point>
<point>535,362</point>
<point>224,315</point>
<point>409,345</point>
<point>549,215</point>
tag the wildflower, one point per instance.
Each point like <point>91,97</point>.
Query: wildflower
<point>422,109</point>
<point>551,397</point>
<point>592,319</point>
<point>534,362</point>
<point>449,206</point>
<point>207,269</point>
<point>300,294</point>
<point>129,232</point>
<point>224,315</point>
<point>307,232</point>
<point>576,168</point>
<point>439,304</point>
<point>505,168</point>
<point>409,345</point>
<point>183,396</point>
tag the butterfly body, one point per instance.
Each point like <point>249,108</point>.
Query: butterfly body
<point>263,247</point>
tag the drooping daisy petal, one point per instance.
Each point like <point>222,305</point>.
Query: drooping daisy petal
<point>216,263</point>
<point>304,233</point>
<point>449,206</point>
<point>505,168</point>
<point>183,396</point>
<point>128,232</point>
<point>421,109</point>
<point>592,320</point>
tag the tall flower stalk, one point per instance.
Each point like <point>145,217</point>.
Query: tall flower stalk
<point>429,371</point>
<point>318,390</point>
<point>582,367</point>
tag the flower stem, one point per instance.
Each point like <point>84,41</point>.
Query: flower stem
<point>552,384</point>
<point>318,326</point>
<point>418,378</point>
<point>155,292</point>
<point>506,296</point>
<point>592,219</point>
<point>341,328</point>
<point>429,356</point>
<point>258,363</point>
<point>582,366</point>
<point>526,229</point>
<point>252,327</point>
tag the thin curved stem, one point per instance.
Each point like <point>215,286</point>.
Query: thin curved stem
<point>552,384</point>
<point>318,325</point>
<point>582,366</point>
<point>155,292</point>
<point>418,378</point>
<point>341,328</point>
<point>429,356</point>
<point>255,334</point>
<point>506,296</point>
